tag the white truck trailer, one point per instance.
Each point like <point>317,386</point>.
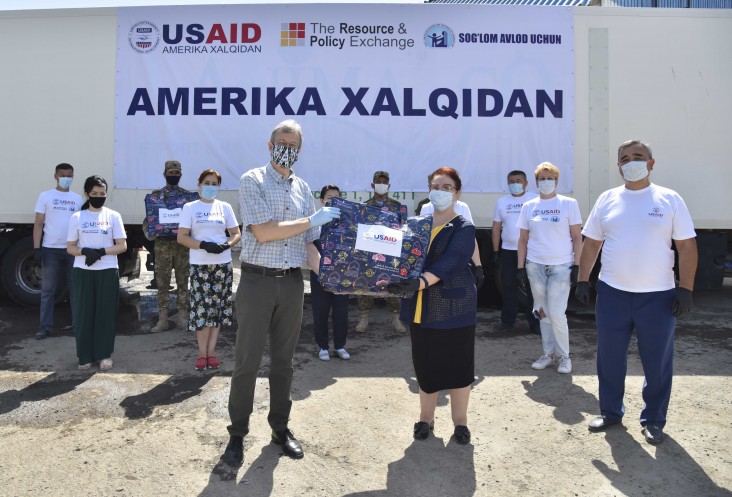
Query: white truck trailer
<point>661,75</point>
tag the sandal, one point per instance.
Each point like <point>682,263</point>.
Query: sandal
<point>201,364</point>
<point>213,363</point>
<point>106,364</point>
<point>84,367</point>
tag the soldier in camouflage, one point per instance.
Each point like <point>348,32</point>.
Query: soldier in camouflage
<point>170,256</point>
<point>365,303</point>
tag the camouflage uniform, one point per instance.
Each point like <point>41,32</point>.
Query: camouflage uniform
<point>170,256</point>
<point>365,302</point>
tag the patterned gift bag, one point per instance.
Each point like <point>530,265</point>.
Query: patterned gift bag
<point>351,262</point>
<point>155,203</point>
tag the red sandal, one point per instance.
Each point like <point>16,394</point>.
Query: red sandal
<point>213,363</point>
<point>201,364</point>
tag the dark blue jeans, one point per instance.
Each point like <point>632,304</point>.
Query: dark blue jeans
<point>56,271</point>
<point>322,302</point>
<point>617,313</point>
<point>509,311</point>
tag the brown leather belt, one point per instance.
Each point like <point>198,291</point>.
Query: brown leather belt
<point>266,271</point>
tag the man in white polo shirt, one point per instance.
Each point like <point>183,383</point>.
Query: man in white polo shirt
<point>53,210</point>
<point>634,225</point>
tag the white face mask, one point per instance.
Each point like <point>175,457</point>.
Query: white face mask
<point>516,188</point>
<point>381,189</point>
<point>440,200</point>
<point>635,170</point>
<point>547,186</point>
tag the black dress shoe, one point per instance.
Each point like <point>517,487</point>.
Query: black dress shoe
<point>601,423</point>
<point>653,434</point>
<point>462,434</point>
<point>234,453</point>
<point>422,429</point>
<point>290,446</point>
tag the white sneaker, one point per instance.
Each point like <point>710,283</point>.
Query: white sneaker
<point>343,354</point>
<point>565,365</point>
<point>324,355</point>
<point>543,361</point>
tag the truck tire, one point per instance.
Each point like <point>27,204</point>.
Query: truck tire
<point>21,276</point>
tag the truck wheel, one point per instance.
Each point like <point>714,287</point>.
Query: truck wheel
<point>21,277</point>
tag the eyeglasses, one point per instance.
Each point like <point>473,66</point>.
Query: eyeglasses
<point>444,188</point>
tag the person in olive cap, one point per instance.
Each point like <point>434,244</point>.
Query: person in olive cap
<point>170,256</point>
<point>365,303</point>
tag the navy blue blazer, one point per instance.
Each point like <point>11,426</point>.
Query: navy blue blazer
<point>451,302</point>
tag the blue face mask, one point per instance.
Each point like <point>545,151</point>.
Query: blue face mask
<point>65,182</point>
<point>516,188</point>
<point>440,200</point>
<point>209,192</point>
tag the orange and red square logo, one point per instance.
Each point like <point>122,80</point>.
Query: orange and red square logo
<point>292,34</point>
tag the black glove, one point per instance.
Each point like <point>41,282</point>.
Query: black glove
<point>479,276</point>
<point>682,302</point>
<point>224,246</point>
<point>403,287</point>
<point>573,274</point>
<point>91,255</point>
<point>211,247</point>
<point>582,292</point>
<point>37,256</point>
<point>101,251</point>
<point>496,258</point>
<point>522,278</point>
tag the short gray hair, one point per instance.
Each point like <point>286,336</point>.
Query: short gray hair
<point>630,143</point>
<point>287,126</point>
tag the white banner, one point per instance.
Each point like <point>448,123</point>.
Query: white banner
<point>402,88</point>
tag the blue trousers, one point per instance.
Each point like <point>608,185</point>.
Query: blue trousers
<point>56,271</point>
<point>618,312</point>
<point>323,301</point>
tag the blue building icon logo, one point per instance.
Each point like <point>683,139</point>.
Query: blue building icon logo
<point>439,36</point>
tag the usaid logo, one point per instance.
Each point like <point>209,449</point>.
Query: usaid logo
<point>380,237</point>
<point>439,36</point>
<point>143,37</point>
<point>59,201</point>
<point>656,212</point>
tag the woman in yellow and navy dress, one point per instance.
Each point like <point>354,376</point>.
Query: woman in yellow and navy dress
<point>442,310</point>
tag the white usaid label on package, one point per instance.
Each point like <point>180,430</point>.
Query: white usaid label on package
<point>169,216</point>
<point>379,239</point>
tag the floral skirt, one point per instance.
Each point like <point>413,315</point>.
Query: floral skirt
<point>211,299</point>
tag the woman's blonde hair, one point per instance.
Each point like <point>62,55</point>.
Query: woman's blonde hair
<point>547,167</point>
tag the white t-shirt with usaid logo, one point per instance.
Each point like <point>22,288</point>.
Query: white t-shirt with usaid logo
<point>508,209</point>
<point>96,230</point>
<point>208,222</point>
<point>548,222</point>
<point>57,208</point>
<point>637,227</point>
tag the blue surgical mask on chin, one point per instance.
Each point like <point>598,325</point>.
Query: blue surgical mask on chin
<point>516,188</point>
<point>440,200</point>
<point>209,192</point>
<point>65,182</point>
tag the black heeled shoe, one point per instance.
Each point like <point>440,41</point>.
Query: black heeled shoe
<point>422,429</point>
<point>462,434</point>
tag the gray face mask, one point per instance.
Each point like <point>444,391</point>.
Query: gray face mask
<point>284,156</point>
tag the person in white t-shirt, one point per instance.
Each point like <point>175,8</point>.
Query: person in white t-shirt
<point>548,257</point>
<point>96,236</point>
<point>202,228</point>
<point>53,210</point>
<point>504,236</point>
<point>634,225</point>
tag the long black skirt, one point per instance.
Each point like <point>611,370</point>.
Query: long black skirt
<point>443,359</point>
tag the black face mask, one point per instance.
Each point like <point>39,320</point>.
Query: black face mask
<point>97,202</point>
<point>172,180</point>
